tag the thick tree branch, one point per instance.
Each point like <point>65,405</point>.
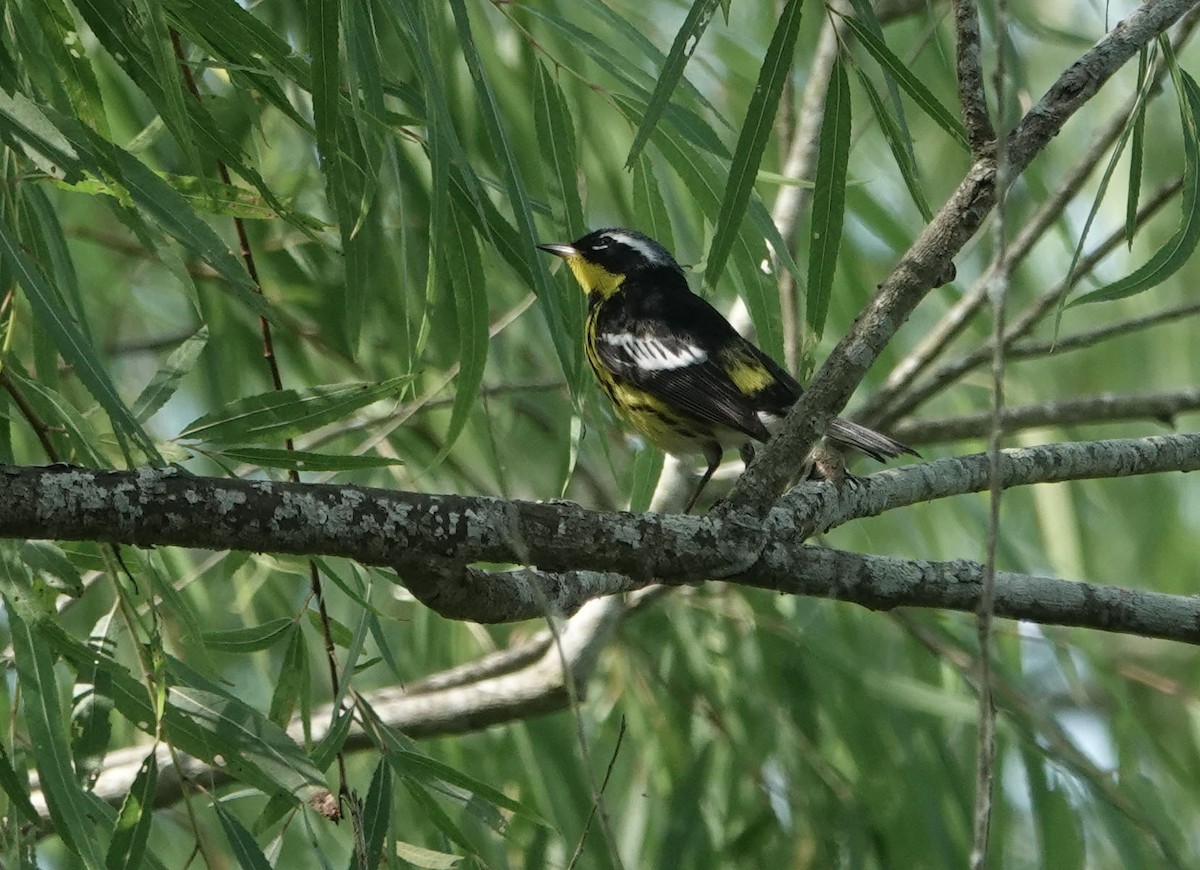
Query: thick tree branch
<point>434,540</point>
<point>931,254</point>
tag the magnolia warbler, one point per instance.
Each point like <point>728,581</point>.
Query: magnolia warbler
<point>673,366</point>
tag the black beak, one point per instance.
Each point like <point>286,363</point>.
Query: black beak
<point>559,250</point>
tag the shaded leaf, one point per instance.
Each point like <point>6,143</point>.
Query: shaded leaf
<point>164,383</point>
<point>829,198</point>
<point>249,639</point>
<point>752,139</point>
<point>128,845</point>
<point>686,41</point>
<point>913,86</point>
<point>282,414</point>
<point>303,460</point>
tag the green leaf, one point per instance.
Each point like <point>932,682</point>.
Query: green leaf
<point>649,208</point>
<point>338,632</point>
<point>128,845</point>
<point>829,198</point>
<point>302,460</point>
<point>647,468</point>
<point>427,859</point>
<point>70,341</point>
<point>752,140</point>
<point>241,842</point>
<point>464,267</point>
<point>293,683</point>
<point>249,639</point>
<point>55,410</point>
<point>282,414</point>
<point>376,814</point>
<point>556,142</point>
<point>908,80</point>
<point>425,769</point>
<point>1136,151</point>
<point>70,809</point>
<point>1169,258</point>
<point>164,383</point>
<point>16,790</point>
<point>899,144</point>
<point>686,41</point>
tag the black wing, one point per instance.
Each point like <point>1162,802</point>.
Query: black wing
<point>666,340</point>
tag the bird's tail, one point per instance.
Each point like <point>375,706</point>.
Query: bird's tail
<point>874,444</point>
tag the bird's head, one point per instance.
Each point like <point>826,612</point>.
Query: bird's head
<point>603,259</point>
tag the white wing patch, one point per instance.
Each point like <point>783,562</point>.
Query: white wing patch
<point>652,354</point>
<point>653,253</point>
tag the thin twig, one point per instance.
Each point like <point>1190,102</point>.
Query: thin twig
<point>1032,349</point>
<point>985,766</point>
<point>1105,408</point>
<point>596,804</point>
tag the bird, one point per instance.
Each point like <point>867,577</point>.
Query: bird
<point>674,368</point>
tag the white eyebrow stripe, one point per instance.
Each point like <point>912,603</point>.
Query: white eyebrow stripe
<point>653,355</point>
<point>652,253</point>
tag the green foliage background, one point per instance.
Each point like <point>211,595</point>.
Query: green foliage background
<point>394,164</point>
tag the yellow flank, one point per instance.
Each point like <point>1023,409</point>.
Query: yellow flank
<point>748,374</point>
<point>593,278</point>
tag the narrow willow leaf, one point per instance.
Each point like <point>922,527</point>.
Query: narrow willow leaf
<point>293,678</point>
<point>250,639</point>
<point>899,145</point>
<point>282,414</point>
<point>303,460</point>
<point>241,842</point>
<point>1136,150</point>
<point>647,468</point>
<point>1168,259</point>
<point>173,107</point>
<point>427,769</point>
<point>649,208</point>
<point>686,41</point>
<point>565,344</point>
<point>27,128</point>
<point>70,342</point>
<point>829,198</point>
<point>464,267</point>
<point>164,383</point>
<point>866,14</point>
<point>556,142</point>
<point>57,255</point>
<point>908,80</point>
<point>203,195</point>
<point>71,64</point>
<point>69,807</point>
<point>650,51</point>
<point>18,793</point>
<point>427,859</point>
<point>128,844</point>
<point>376,815</point>
<point>752,140</point>
<point>338,632</point>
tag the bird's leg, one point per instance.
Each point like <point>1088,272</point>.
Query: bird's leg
<point>713,456</point>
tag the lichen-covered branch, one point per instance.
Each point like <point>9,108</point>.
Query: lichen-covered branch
<point>435,542</point>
